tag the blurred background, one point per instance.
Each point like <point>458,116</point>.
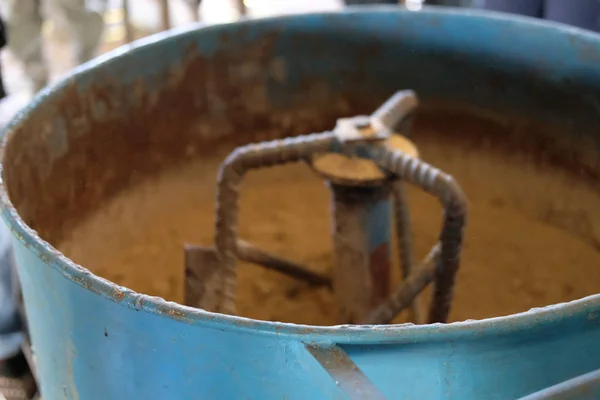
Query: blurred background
<point>126,20</point>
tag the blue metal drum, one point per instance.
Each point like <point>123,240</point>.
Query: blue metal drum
<point>85,138</point>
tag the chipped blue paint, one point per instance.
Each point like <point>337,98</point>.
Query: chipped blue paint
<point>378,224</point>
<point>95,340</point>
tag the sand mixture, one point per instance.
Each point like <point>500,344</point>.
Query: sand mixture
<point>532,237</point>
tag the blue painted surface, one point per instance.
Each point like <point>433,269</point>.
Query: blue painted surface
<point>379,219</point>
<point>95,340</point>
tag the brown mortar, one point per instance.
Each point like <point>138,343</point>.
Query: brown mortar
<point>532,238</point>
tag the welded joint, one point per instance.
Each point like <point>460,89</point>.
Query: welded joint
<point>382,123</point>
<point>388,117</point>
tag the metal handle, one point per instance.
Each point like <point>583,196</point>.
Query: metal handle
<point>348,378</point>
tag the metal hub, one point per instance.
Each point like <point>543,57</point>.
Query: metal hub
<point>366,161</point>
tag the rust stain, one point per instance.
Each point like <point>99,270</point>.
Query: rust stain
<point>380,265</point>
<point>176,314</point>
<point>110,151</point>
<point>119,295</point>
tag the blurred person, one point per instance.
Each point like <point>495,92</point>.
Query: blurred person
<point>16,379</point>
<point>24,21</point>
<point>21,31</point>
<point>580,13</point>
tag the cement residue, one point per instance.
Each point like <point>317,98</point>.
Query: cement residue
<point>532,236</point>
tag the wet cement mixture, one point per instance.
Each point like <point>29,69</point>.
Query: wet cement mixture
<point>532,237</point>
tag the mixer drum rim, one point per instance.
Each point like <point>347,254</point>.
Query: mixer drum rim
<point>355,334</point>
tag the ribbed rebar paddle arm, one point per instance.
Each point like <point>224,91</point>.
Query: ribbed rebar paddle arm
<point>233,169</point>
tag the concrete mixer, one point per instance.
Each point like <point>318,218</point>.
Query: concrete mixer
<point>422,133</point>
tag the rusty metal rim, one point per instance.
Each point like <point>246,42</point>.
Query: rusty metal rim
<point>361,334</point>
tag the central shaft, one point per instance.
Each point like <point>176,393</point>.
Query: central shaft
<point>362,235</point>
<point>362,215</point>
